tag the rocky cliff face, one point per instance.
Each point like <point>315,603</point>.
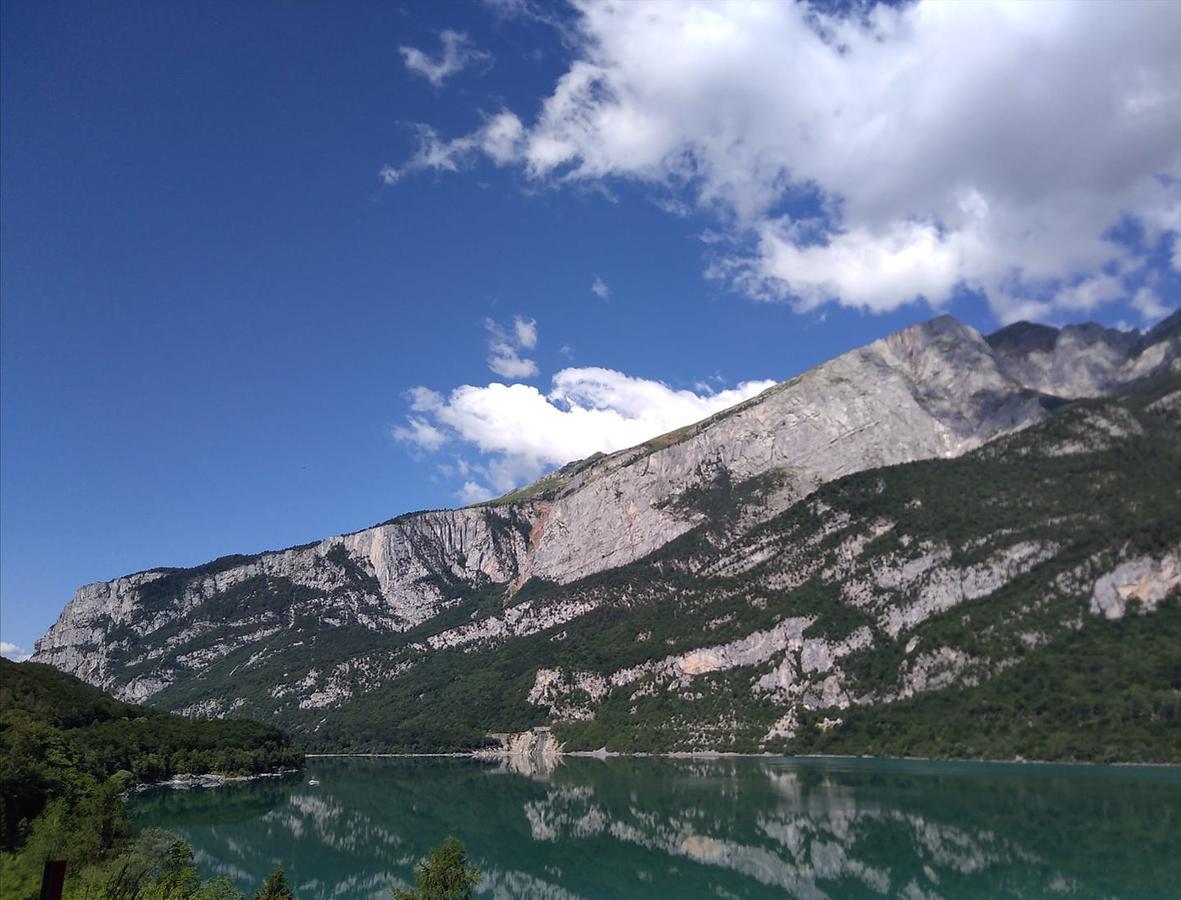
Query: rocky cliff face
<point>1081,360</point>
<point>383,579</point>
<point>933,390</point>
<point>368,607</point>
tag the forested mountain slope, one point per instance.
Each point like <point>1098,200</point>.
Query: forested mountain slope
<point>771,578</point>
<point>1021,600</point>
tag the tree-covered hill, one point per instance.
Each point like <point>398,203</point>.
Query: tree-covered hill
<point>68,752</point>
<point>49,719</point>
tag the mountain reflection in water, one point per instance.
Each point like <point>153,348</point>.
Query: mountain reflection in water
<point>687,828</point>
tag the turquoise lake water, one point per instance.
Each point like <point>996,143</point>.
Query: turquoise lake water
<point>676,828</point>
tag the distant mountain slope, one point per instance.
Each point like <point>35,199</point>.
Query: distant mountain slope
<point>437,627</point>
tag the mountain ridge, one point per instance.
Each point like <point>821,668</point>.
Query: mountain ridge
<point>448,581</point>
<point>1162,330</point>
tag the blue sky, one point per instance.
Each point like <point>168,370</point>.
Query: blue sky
<point>253,253</point>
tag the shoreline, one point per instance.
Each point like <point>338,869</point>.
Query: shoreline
<point>188,781</point>
<point>719,754</point>
<point>208,781</point>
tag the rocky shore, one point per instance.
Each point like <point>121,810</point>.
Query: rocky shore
<point>188,781</point>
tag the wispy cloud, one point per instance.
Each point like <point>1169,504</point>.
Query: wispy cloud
<point>1148,303</point>
<point>526,332</point>
<point>499,139</point>
<point>505,346</point>
<point>456,54</point>
<point>599,289</point>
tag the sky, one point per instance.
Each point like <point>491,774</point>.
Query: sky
<point>275,271</point>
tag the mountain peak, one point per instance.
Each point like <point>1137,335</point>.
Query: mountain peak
<point>941,326</point>
<point>1023,337</point>
<point>1170,326</point>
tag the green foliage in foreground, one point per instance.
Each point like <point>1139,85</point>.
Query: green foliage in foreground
<point>90,832</point>
<point>443,875</point>
<point>69,753</point>
<point>155,866</point>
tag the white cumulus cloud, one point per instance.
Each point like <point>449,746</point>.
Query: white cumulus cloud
<point>884,154</point>
<point>13,652</point>
<point>473,492</point>
<point>456,53</point>
<point>522,431</point>
<point>599,289</point>
<point>420,433</point>
<point>505,346</point>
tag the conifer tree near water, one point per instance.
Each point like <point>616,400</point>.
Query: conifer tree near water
<point>276,887</point>
<point>443,875</point>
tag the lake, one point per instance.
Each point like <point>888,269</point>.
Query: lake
<point>694,828</point>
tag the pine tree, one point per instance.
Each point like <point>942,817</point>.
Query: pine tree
<point>443,875</point>
<point>276,887</point>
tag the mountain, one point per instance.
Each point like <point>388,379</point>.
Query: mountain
<point>923,515</point>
